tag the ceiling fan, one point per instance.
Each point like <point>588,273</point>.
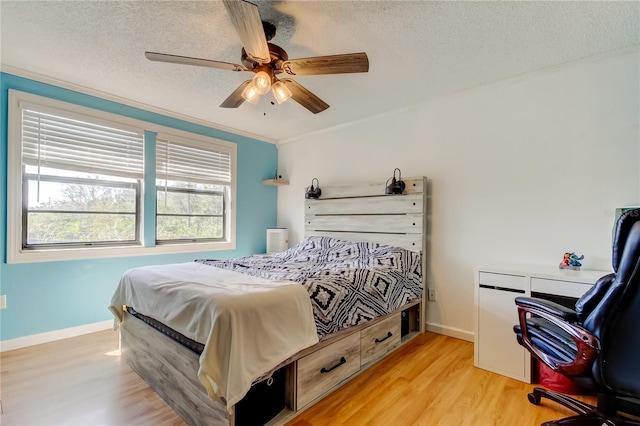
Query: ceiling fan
<point>267,61</point>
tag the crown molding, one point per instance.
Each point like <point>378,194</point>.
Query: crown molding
<point>129,102</point>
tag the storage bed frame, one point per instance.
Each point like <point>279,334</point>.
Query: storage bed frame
<point>353,213</point>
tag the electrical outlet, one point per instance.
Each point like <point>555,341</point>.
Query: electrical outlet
<point>3,301</point>
<point>432,294</point>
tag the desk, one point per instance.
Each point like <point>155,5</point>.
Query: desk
<point>496,287</point>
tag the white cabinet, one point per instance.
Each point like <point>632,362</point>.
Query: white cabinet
<point>496,348</point>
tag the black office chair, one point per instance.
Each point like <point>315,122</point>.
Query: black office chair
<point>597,345</point>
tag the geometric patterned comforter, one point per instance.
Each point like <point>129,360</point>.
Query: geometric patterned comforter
<point>348,283</point>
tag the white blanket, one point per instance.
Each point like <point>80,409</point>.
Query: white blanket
<point>248,324</point>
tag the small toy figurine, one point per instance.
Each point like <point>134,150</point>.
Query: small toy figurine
<point>571,261</point>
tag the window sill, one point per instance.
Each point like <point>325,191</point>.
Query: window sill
<point>53,255</point>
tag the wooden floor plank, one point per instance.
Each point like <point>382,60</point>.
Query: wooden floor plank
<point>77,381</point>
<point>429,381</point>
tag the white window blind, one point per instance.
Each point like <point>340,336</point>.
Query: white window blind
<point>64,140</point>
<point>188,163</point>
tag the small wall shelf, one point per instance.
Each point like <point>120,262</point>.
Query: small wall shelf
<point>275,182</point>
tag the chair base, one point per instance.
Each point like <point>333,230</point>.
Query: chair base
<point>605,414</point>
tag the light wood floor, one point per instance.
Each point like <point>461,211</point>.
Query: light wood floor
<point>430,381</point>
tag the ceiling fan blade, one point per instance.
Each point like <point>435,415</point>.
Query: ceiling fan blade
<point>333,64</point>
<point>305,97</point>
<point>235,99</point>
<point>246,20</point>
<point>185,60</point>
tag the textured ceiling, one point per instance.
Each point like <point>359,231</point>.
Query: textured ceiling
<point>417,50</point>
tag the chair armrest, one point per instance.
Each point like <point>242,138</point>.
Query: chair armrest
<point>588,345</point>
<point>548,306</point>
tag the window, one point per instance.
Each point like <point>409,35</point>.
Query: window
<point>79,182</point>
<point>193,186</point>
<point>78,211</point>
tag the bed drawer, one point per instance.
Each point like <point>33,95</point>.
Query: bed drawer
<point>379,339</point>
<point>322,370</point>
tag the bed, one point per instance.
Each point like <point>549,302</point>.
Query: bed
<point>305,327</point>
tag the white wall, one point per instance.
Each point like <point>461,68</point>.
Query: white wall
<point>522,170</point>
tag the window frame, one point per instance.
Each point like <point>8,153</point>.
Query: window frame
<point>193,191</point>
<point>14,251</point>
<point>189,141</point>
<point>136,186</point>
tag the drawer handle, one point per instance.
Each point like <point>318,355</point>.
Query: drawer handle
<point>342,361</point>
<point>389,334</point>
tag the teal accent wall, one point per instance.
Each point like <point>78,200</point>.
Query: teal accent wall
<point>49,296</point>
<point>149,202</point>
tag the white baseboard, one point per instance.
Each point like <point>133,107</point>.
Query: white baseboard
<point>51,336</point>
<point>450,331</point>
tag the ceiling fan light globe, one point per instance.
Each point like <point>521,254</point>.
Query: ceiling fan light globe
<point>281,92</point>
<point>250,94</point>
<point>262,82</point>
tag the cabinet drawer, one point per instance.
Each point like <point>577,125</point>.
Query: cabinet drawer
<point>500,281</point>
<point>559,288</point>
<point>379,339</point>
<point>322,370</point>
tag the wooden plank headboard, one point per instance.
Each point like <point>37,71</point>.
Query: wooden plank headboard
<point>365,213</point>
